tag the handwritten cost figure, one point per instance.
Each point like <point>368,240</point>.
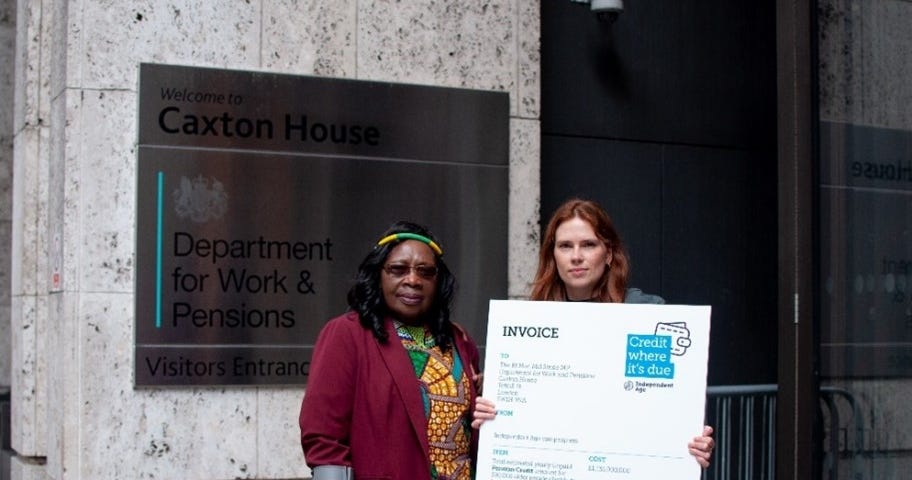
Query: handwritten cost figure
<point>393,381</point>
<point>582,259</point>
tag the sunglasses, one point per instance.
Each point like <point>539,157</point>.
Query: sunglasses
<point>399,270</point>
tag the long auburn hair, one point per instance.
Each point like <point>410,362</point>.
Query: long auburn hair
<point>612,287</point>
<point>366,295</point>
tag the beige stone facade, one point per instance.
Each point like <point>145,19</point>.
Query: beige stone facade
<point>68,150</point>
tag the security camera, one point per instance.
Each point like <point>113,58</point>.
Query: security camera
<point>607,9</point>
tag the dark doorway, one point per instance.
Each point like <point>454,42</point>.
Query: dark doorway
<point>667,117</point>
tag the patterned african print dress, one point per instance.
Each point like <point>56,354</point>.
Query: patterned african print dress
<point>445,392</point>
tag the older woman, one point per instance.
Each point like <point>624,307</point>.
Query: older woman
<point>582,259</point>
<point>393,381</point>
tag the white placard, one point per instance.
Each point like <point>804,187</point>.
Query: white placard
<point>593,390</point>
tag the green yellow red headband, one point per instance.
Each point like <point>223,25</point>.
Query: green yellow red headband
<point>411,236</point>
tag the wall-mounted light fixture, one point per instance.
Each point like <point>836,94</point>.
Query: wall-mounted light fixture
<point>607,10</point>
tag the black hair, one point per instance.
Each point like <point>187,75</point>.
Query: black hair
<point>366,295</point>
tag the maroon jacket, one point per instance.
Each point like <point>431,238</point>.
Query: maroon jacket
<point>362,406</point>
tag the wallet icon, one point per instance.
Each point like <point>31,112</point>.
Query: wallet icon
<point>680,336</point>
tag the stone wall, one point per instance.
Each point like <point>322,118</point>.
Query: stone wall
<point>7,57</point>
<point>76,413</point>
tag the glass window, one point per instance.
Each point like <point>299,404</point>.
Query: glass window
<point>865,264</point>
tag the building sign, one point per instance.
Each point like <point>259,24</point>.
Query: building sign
<point>258,195</point>
<point>866,254</point>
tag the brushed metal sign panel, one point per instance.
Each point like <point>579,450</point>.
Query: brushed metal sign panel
<point>247,244</point>
<point>866,252</point>
<point>187,365</point>
<point>201,107</point>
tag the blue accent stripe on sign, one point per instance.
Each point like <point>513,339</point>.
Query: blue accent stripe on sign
<point>158,250</point>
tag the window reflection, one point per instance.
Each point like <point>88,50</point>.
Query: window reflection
<point>865,200</point>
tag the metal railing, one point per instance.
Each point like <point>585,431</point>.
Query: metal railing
<point>744,419</point>
<point>855,448</point>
